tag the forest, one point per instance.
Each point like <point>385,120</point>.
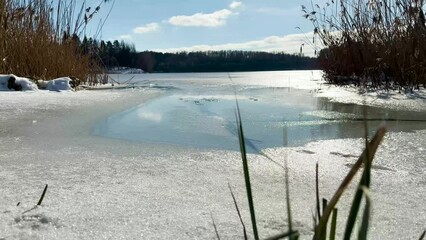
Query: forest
<point>115,54</point>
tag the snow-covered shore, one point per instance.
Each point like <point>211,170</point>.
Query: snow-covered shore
<point>312,80</point>
<point>415,101</point>
<point>109,189</point>
<point>10,82</point>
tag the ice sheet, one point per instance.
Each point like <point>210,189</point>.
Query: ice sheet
<point>102,188</point>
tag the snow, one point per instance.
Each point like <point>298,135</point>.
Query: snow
<point>25,83</point>
<point>415,101</point>
<point>102,188</point>
<point>312,81</point>
<point>59,84</point>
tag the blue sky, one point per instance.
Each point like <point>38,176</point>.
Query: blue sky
<point>173,25</point>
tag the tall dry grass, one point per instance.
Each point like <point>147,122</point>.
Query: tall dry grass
<point>40,38</point>
<point>380,43</point>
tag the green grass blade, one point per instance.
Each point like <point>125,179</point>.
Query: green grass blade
<point>366,216</point>
<point>324,206</point>
<point>372,146</point>
<point>238,212</point>
<point>333,224</point>
<point>246,170</point>
<point>215,227</point>
<point>356,204</point>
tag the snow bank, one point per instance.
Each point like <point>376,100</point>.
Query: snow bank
<point>12,82</point>
<point>393,99</point>
<point>314,82</point>
<point>59,84</point>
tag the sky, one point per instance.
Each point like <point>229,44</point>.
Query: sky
<point>193,25</point>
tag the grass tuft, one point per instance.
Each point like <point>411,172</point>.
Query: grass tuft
<point>320,230</point>
<point>328,207</point>
<point>333,224</point>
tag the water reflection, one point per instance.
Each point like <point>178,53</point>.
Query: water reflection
<point>149,116</point>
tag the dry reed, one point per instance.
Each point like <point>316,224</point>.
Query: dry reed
<point>40,38</point>
<point>375,43</point>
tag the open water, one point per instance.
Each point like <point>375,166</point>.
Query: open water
<point>198,110</point>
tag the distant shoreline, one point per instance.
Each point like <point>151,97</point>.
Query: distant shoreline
<point>210,61</point>
<point>124,71</point>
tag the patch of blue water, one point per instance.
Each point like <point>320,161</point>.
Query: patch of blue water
<point>272,117</point>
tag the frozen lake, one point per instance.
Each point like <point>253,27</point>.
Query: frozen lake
<point>199,110</point>
<point>154,162</point>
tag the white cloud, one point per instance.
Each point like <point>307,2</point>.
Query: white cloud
<point>235,4</point>
<point>289,44</point>
<point>150,27</point>
<point>124,37</point>
<point>214,19</point>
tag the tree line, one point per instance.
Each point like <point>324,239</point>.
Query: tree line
<point>113,54</point>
